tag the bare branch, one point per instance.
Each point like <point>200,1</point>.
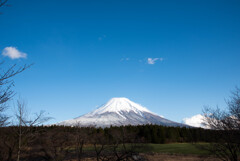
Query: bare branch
<point>227,122</point>
<point>3,2</point>
<point>6,84</point>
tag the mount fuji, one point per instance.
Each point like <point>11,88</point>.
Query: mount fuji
<point>118,112</point>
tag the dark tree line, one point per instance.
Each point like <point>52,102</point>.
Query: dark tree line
<point>113,143</point>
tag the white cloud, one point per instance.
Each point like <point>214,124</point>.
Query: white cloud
<point>153,60</point>
<point>13,53</point>
<point>149,60</point>
<point>196,121</point>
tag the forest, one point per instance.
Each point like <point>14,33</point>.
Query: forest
<point>113,143</point>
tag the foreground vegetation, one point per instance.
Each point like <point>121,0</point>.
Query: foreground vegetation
<point>171,148</point>
<point>114,143</point>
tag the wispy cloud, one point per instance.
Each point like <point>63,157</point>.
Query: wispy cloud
<point>153,60</point>
<point>125,59</point>
<point>13,53</point>
<point>147,60</point>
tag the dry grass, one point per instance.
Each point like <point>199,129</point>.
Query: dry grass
<point>167,157</point>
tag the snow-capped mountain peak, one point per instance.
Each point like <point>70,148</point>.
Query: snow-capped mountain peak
<point>118,105</point>
<point>117,112</point>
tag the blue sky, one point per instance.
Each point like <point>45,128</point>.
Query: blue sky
<point>173,57</point>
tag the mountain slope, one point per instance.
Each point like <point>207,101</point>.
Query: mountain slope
<point>117,112</point>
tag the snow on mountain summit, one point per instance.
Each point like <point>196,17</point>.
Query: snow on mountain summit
<point>120,104</point>
<point>117,112</point>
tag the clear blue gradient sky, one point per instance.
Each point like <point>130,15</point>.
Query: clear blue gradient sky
<point>86,52</point>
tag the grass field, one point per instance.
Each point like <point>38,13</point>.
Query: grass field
<point>173,148</point>
<point>177,148</point>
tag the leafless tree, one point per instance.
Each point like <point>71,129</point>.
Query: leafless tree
<point>80,139</point>
<point>125,145</point>
<point>6,82</point>
<point>8,143</point>
<point>99,143</point>
<point>56,145</point>
<point>6,92</point>
<point>227,122</point>
<point>25,125</point>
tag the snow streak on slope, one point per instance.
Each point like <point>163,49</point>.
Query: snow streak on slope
<point>117,112</point>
